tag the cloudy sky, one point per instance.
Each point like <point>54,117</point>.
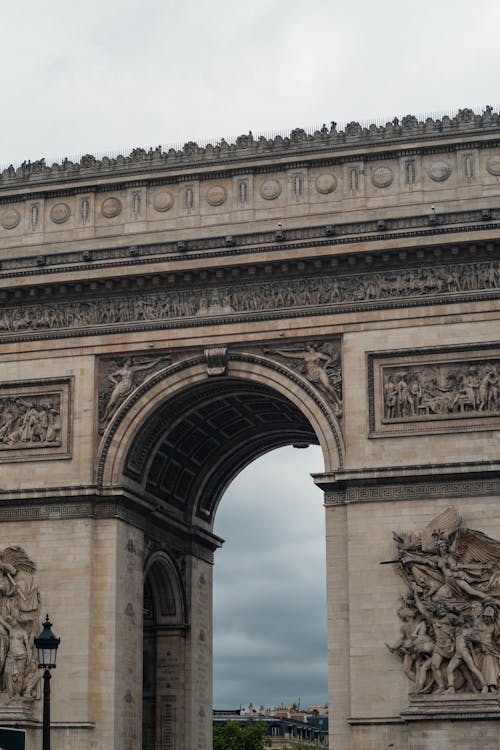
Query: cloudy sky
<point>109,74</point>
<point>269,593</point>
<point>106,75</point>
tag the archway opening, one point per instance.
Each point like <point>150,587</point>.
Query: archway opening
<point>269,586</point>
<point>180,457</point>
<point>193,445</point>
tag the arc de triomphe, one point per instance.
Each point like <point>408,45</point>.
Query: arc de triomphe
<point>169,316</point>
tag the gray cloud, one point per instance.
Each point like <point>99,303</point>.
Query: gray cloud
<point>269,589</point>
<point>142,72</point>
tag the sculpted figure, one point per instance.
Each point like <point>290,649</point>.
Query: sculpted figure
<point>18,656</point>
<point>123,381</point>
<point>487,655</point>
<point>19,624</point>
<point>315,363</point>
<point>450,633</point>
<point>465,636</point>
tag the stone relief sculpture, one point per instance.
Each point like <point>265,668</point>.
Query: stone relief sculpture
<point>19,624</point>
<point>335,289</point>
<point>450,612</point>
<point>33,421</point>
<point>320,364</point>
<point>441,390</point>
<point>119,377</point>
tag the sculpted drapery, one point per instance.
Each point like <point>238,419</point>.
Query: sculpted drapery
<point>450,625</point>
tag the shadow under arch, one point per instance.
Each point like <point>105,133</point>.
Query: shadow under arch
<point>182,436</point>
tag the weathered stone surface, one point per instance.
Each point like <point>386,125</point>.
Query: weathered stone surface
<point>180,312</point>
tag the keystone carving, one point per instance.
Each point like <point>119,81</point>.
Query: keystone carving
<point>320,364</point>
<point>450,625</point>
<point>216,359</point>
<point>19,624</point>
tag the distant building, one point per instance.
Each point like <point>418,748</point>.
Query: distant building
<point>285,725</point>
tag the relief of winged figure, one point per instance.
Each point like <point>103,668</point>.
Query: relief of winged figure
<point>19,624</point>
<point>450,613</point>
<point>320,364</point>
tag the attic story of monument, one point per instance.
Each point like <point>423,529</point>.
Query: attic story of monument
<point>168,316</point>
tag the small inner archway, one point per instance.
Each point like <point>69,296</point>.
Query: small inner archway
<point>164,630</point>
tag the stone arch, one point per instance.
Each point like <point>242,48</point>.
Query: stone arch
<point>152,417</point>
<point>164,632</point>
<point>163,579</point>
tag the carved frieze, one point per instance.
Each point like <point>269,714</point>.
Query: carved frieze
<point>60,213</point>
<point>429,392</point>
<point>111,207</point>
<point>325,183</point>
<point>35,420</point>
<point>320,363</point>
<point>450,627</point>
<point>163,201</point>
<point>119,377</point>
<point>19,624</point>
<point>10,218</point>
<point>330,290</point>
<point>270,189</point>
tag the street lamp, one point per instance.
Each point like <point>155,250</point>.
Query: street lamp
<point>46,645</point>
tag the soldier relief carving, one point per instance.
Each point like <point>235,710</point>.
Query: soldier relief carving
<point>19,624</point>
<point>336,289</point>
<point>442,390</point>
<point>450,623</point>
<point>30,422</point>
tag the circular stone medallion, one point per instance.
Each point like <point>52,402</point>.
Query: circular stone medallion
<point>493,165</point>
<point>382,177</point>
<point>111,207</point>
<point>60,213</point>
<point>217,195</point>
<point>270,190</point>
<point>163,201</point>
<point>326,183</point>
<point>10,218</point>
<point>439,171</point>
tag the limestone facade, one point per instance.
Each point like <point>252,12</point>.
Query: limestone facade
<point>167,317</point>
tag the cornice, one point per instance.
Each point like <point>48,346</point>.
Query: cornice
<point>406,483</point>
<point>254,243</point>
<point>70,503</point>
<point>408,133</point>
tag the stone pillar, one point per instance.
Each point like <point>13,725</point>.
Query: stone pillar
<point>170,690</point>
<point>116,632</point>
<point>199,657</point>
<point>337,580</point>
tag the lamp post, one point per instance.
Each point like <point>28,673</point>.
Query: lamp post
<point>46,645</point>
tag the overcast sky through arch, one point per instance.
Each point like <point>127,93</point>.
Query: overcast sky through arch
<point>106,76</point>
<point>269,584</point>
